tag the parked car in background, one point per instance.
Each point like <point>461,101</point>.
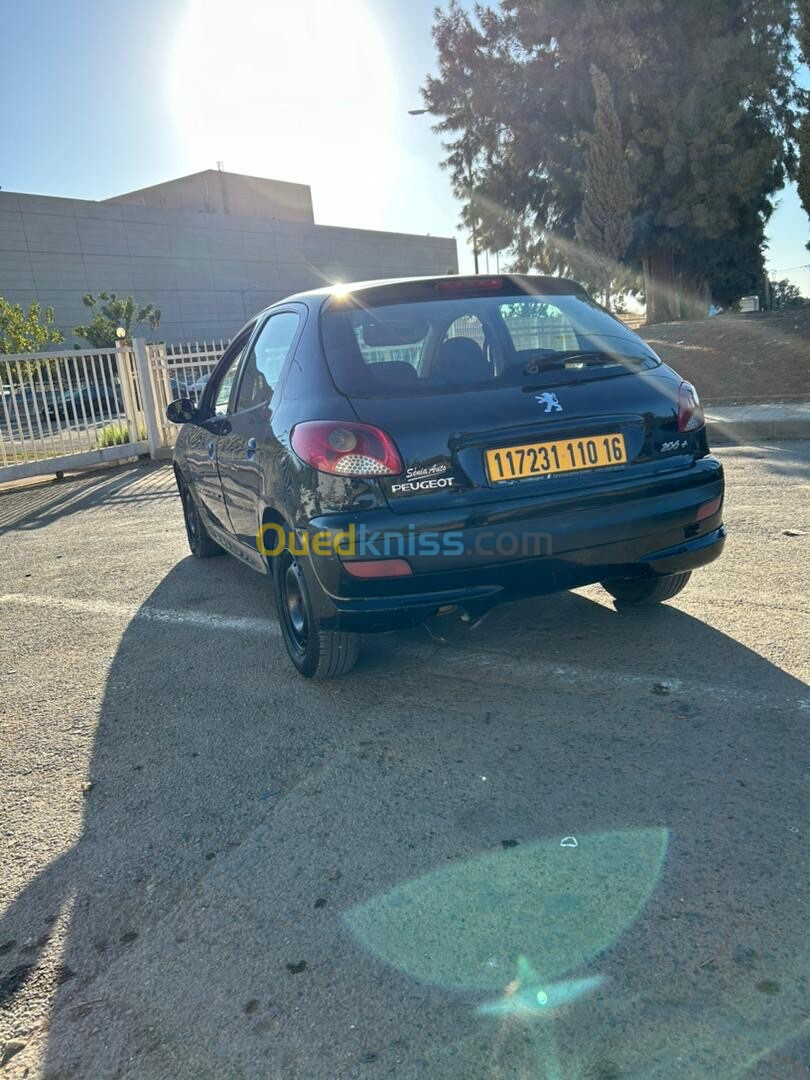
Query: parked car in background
<point>28,403</point>
<point>391,451</point>
<point>179,386</point>
<point>198,385</point>
<point>84,402</point>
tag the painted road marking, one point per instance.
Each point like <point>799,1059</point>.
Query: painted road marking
<point>485,665</point>
<point>204,620</point>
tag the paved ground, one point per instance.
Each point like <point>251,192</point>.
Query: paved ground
<point>271,878</point>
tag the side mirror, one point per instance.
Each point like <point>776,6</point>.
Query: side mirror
<point>182,411</point>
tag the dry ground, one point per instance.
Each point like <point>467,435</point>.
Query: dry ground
<point>740,359</point>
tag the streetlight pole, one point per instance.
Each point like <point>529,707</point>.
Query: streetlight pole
<point>473,226</point>
<point>473,223</point>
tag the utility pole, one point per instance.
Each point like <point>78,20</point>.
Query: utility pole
<point>473,219</point>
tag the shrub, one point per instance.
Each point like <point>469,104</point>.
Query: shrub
<point>115,435</point>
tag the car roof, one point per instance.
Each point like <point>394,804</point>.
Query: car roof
<point>533,282</point>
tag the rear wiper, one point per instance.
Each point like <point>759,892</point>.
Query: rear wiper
<point>590,357</point>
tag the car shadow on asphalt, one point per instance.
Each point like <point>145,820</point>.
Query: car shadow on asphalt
<point>39,505</point>
<point>237,811</point>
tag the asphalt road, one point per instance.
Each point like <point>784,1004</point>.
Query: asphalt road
<point>273,878</point>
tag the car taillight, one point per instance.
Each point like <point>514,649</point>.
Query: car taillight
<point>690,411</point>
<point>345,448</point>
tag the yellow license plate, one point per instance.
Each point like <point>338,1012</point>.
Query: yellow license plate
<point>562,455</point>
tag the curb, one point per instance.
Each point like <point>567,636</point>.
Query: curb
<point>725,432</point>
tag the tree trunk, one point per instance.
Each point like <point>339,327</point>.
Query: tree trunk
<point>694,299</point>
<point>659,285</point>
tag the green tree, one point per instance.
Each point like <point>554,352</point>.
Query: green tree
<point>804,129</point>
<point>111,311</point>
<point>785,294</point>
<point>463,97</point>
<point>24,331</point>
<point>707,105</point>
<point>605,225</point>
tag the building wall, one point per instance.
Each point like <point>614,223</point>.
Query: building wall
<point>207,272</point>
<point>218,192</point>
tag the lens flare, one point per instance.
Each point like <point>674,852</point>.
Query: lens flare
<point>465,926</point>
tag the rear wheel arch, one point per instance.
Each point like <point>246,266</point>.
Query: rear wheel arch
<point>272,516</point>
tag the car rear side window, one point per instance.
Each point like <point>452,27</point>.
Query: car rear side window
<point>452,344</point>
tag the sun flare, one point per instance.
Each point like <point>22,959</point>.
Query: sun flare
<point>292,91</point>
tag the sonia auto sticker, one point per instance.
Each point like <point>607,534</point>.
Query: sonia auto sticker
<point>420,479</point>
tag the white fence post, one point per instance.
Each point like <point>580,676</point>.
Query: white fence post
<point>159,371</point>
<point>148,395</point>
<point>131,399</point>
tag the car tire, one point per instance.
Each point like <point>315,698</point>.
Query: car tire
<point>316,653</point>
<point>201,544</point>
<point>643,592</point>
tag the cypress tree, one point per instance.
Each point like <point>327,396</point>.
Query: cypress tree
<point>605,226</point>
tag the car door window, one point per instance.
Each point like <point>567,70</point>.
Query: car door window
<point>221,392</point>
<point>266,359</point>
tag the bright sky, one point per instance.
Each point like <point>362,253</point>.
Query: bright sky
<point>102,97</point>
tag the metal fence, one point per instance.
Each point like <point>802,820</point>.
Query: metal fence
<point>180,371</point>
<point>66,409</point>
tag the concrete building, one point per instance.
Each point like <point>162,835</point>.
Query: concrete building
<point>207,249</point>
<point>217,192</point>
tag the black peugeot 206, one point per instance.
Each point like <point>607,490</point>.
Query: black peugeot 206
<point>395,450</point>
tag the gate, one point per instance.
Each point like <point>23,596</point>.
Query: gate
<point>179,371</point>
<point>69,409</point>
<point>64,410</point>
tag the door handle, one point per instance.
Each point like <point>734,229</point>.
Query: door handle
<point>250,447</point>
<point>211,449</point>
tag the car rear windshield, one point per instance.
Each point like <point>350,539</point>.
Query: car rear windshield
<point>450,344</point>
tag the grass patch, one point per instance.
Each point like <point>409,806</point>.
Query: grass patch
<point>116,435</point>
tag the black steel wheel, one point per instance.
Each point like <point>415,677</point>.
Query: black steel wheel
<point>316,653</point>
<point>201,544</point>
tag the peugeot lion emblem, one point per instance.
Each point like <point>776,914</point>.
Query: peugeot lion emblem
<point>550,401</point>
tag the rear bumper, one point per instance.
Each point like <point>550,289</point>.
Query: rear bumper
<point>516,550</point>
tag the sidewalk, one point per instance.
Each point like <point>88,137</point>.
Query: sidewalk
<point>740,423</point>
